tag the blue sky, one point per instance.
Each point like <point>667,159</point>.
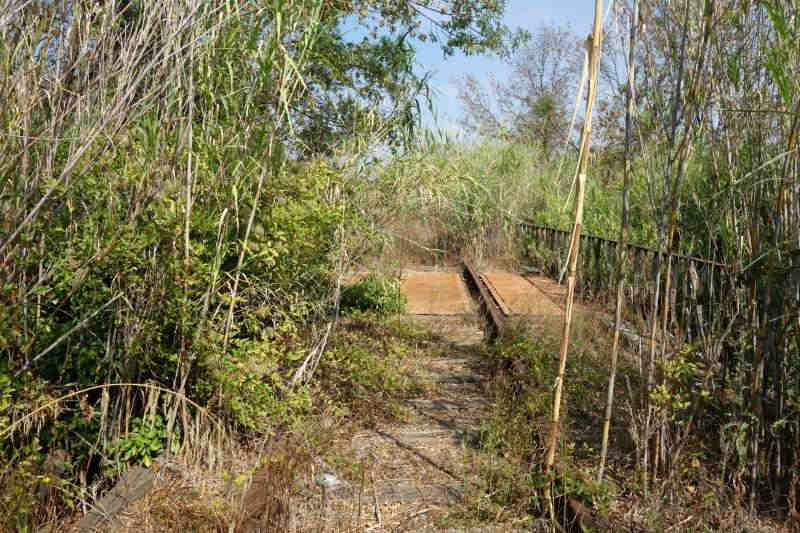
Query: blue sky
<point>527,14</point>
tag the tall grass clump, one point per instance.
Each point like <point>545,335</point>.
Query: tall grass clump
<point>444,199</point>
<point>447,198</point>
<point>163,261</point>
<point>513,444</point>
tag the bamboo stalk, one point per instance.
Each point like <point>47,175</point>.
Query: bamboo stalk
<point>622,248</point>
<point>184,364</point>
<point>674,173</point>
<point>593,44</point>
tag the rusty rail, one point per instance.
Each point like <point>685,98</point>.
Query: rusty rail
<point>697,285</point>
<point>632,248</point>
<point>489,306</point>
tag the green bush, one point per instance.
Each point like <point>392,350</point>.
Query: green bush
<point>146,440</point>
<point>375,293</point>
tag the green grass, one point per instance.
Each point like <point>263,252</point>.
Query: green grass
<point>522,363</point>
<point>445,199</point>
<point>368,370</point>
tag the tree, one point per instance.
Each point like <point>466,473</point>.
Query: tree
<point>534,104</point>
<point>371,82</point>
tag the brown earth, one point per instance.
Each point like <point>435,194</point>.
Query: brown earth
<point>554,291</point>
<point>419,468</point>
<point>519,296</point>
<point>435,293</point>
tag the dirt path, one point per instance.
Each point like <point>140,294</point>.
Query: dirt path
<point>416,470</point>
<point>420,469</point>
<point>419,465</point>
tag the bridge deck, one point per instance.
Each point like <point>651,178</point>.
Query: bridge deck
<point>436,293</point>
<point>519,296</point>
<point>445,293</point>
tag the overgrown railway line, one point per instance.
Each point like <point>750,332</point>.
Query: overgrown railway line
<point>462,290</point>
<point>442,295</point>
<point>415,463</point>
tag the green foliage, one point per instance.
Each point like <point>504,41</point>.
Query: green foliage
<point>121,228</point>
<point>32,483</point>
<point>470,26</point>
<point>779,55</point>
<point>513,438</point>
<point>6,396</point>
<point>371,83</point>
<point>526,410</point>
<point>367,373</point>
<point>449,199</point>
<point>248,383</point>
<point>367,369</point>
<point>19,481</point>
<point>377,293</point>
<point>681,386</point>
<point>512,444</point>
<point>146,439</point>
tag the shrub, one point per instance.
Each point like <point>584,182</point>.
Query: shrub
<point>375,293</point>
<point>147,439</point>
<point>369,367</point>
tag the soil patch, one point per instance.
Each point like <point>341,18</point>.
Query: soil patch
<point>435,293</point>
<point>519,296</point>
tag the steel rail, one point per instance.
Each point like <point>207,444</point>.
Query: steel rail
<point>489,306</point>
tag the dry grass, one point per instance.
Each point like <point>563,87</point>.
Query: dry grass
<point>273,485</point>
<point>174,505</point>
<point>269,484</point>
<point>507,463</point>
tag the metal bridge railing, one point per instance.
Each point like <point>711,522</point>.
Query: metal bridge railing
<point>698,287</point>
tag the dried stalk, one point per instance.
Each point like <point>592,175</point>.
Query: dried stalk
<point>184,365</point>
<point>622,248</point>
<point>683,112</point>
<point>593,44</point>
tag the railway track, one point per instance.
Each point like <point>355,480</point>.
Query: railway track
<point>417,464</point>
<point>488,303</point>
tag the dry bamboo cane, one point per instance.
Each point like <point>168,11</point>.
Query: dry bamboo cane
<point>593,44</point>
<point>622,248</point>
<point>671,205</point>
<point>184,365</point>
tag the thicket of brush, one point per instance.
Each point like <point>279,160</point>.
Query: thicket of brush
<point>713,127</point>
<point>449,198</point>
<point>184,185</point>
<point>164,262</point>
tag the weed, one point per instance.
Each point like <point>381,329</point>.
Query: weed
<point>509,462</point>
<point>368,369</point>
<point>147,438</point>
<point>376,293</point>
<point>513,441</point>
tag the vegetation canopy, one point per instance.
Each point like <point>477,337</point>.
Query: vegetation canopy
<point>187,189</point>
